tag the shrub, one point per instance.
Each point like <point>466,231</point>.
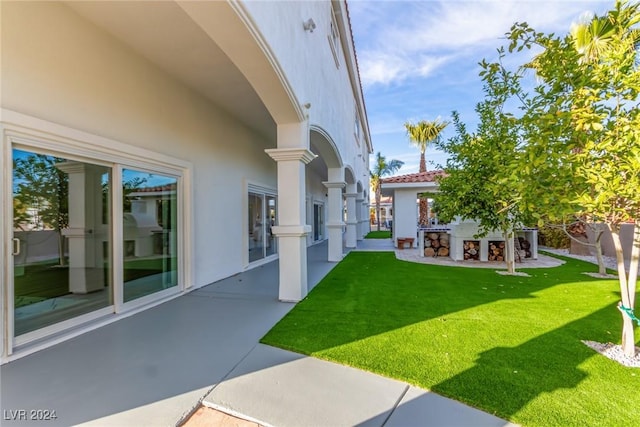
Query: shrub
<point>553,238</point>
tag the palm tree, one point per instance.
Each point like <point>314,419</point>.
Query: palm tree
<point>381,168</point>
<point>421,135</point>
<point>593,36</point>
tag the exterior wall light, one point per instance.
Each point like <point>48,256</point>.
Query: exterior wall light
<point>309,25</point>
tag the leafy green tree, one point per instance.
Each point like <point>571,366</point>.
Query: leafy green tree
<point>479,184</point>
<point>581,125</point>
<point>381,168</point>
<point>422,134</point>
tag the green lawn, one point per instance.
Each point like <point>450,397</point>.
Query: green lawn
<point>509,345</point>
<point>382,234</point>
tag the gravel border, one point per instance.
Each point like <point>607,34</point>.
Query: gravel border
<point>609,350</point>
<point>615,353</point>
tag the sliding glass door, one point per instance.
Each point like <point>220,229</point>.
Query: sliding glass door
<point>78,253</point>
<point>262,216</point>
<point>61,239</point>
<point>150,230</point>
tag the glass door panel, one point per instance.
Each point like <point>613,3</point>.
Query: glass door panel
<point>150,231</point>
<point>271,240</point>
<point>61,239</point>
<point>256,231</point>
<point>318,221</point>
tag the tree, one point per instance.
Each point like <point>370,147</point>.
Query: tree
<point>581,125</point>
<point>42,191</point>
<point>381,168</point>
<point>421,135</point>
<point>478,184</point>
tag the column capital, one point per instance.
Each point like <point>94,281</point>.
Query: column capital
<point>339,224</point>
<point>283,154</point>
<point>335,184</point>
<point>291,230</point>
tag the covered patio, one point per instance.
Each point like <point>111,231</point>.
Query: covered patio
<point>153,367</point>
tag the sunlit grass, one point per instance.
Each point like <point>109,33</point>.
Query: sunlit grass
<point>382,234</point>
<point>509,345</point>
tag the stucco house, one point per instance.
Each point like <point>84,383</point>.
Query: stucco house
<point>167,145</point>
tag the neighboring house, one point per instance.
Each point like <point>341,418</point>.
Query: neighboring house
<point>189,141</point>
<point>386,211</point>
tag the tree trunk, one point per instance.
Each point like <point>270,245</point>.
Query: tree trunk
<point>628,298</point>
<point>424,211</point>
<point>597,230</point>
<point>378,196</point>
<point>602,269</point>
<point>509,251</point>
<point>423,163</point>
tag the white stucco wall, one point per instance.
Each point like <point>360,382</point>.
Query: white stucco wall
<point>58,67</point>
<point>405,223</point>
<point>308,62</point>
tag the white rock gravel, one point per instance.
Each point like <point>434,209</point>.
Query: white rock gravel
<point>609,262</point>
<point>614,352</point>
<point>610,350</point>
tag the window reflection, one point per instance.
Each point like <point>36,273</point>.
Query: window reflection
<point>61,230</point>
<point>150,230</point>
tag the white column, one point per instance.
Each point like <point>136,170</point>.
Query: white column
<point>292,156</point>
<point>352,222</point>
<point>360,217</point>
<point>85,233</point>
<point>335,224</point>
<point>404,215</point>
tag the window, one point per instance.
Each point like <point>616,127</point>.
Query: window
<point>262,215</point>
<point>94,233</point>
<point>334,38</point>
<point>62,239</point>
<point>149,206</point>
<point>356,130</point>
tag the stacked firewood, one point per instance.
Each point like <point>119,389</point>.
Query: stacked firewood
<point>471,250</point>
<point>496,251</point>
<point>436,244</point>
<point>525,246</point>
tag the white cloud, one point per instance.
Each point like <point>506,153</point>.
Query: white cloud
<point>406,39</point>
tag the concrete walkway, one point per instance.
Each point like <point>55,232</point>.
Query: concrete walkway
<point>154,368</point>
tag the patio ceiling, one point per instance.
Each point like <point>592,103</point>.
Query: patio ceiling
<point>165,35</point>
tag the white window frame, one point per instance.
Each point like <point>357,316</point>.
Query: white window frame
<point>264,190</point>
<point>357,131</point>
<point>30,133</point>
<point>334,37</point>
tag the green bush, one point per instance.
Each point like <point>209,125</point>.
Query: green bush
<point>553,238</point>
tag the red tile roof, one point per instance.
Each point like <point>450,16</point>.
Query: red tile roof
<point>429,176</point>
<point>156,189</point>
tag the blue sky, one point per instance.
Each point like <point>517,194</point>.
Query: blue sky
<point>419,59</point>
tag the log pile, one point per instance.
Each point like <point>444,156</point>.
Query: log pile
<point>496,251</point>
<point>436,244</point>
<point>471,250</point>
<point>525,246</point>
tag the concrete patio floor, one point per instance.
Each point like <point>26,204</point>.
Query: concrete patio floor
<point>156,367</point>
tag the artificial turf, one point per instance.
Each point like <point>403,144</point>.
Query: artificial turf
<point>509,345</point>
<point>380,234</point>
